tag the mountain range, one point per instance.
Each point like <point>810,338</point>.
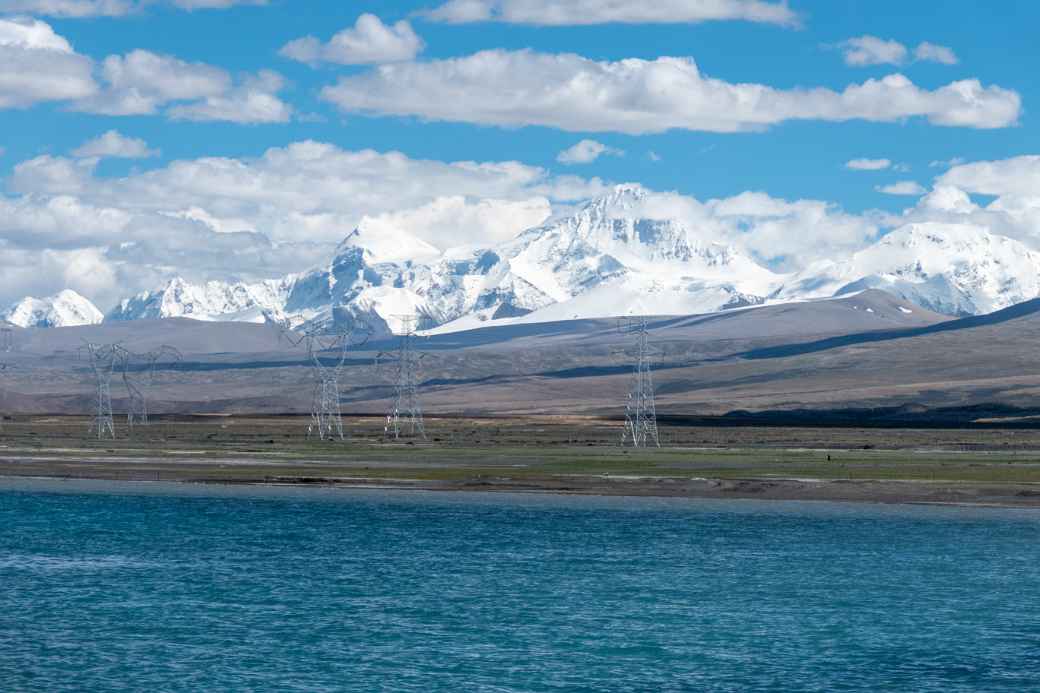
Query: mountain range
<point>604,259</point>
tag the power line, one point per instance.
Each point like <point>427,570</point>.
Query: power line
<point>105,361</point>
<point>405,366</point>
<point>641,409</point>
<point>6,347</point>
<point>328,346</point>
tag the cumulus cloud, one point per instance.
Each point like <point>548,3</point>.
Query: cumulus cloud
<point>285,210</point>
<point>792,234</point>
<point>38,65</point>
<point>260,217</point>
<point>141,82</point>
<point>254,101</point>
<point>931,52</point>
<point>585,152</point>
<point>369,41</point>
<point>1018,177</point>
<point>871,50</point>
<point>146,83</point>
<point>868,164</point>
<point>113,144</point>
<point>108,8</point>
<point>553,13</point>
<point>903,187</point>
<point>1013,185</point>
<point>635,96</point>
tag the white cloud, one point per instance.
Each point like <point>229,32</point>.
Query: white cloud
<point>871,50</point>
<point>254,101</point>
<point>38,65</point>
<point>868,164</point>
<point>144,83</point>
<point>108,8</point>
<point>113,144</point>
<point>570,92</point>
<point>586,152</point>
<point>948,163</point>
<point>369,41</point>
<point>261,217</point>
<point>792,234</point>
<point>1015,177</point>
<point>931,52</point>
<point>61,224</point>
<point>1014,185</point>
<point>466,222</point>
<point>903,187</point>
<point>578,12</point>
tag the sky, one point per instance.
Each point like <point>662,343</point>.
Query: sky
<point>241,139</point>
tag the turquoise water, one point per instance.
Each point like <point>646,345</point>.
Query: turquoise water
<point>158,588</point>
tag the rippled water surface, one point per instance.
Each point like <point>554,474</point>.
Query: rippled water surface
<point>152,588</point>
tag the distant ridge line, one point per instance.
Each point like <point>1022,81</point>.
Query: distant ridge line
<point>1019,310</point>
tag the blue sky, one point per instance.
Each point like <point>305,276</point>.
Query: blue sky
<point>995,44</point>
<point>801,159</point>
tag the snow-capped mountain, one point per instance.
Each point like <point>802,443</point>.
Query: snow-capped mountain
<point>601,260</point>
<point>608,257</point>
<point>65,309</point>
<point>237,302</point>
<point>948,268</point>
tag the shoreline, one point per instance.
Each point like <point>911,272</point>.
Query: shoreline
<point>580,458</point>
<point>867,491</point>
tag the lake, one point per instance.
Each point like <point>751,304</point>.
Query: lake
<point>107,586</point>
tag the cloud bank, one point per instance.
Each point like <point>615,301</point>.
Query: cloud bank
<point>37,66</point>
<point>634,96</point>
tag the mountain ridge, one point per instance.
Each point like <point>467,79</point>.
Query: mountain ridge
<point>608,257</point>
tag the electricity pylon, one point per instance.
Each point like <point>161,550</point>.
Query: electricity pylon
<point>6,347</point>
<point>405,366</point>
<point>137,405</point>
<point>327,351</point>
<point>104,359</point>
<point>641,410</point>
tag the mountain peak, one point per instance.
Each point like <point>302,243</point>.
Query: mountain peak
<point>382,241</point>
<point>623,199</point>
<point>64,309</point>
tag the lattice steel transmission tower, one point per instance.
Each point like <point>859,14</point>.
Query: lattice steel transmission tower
<point>327,352</point>
<point>641,410</point>
<point>146,363</point>
<point>104,360</point>
<point>405,365</point>
<point>6,347</point>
